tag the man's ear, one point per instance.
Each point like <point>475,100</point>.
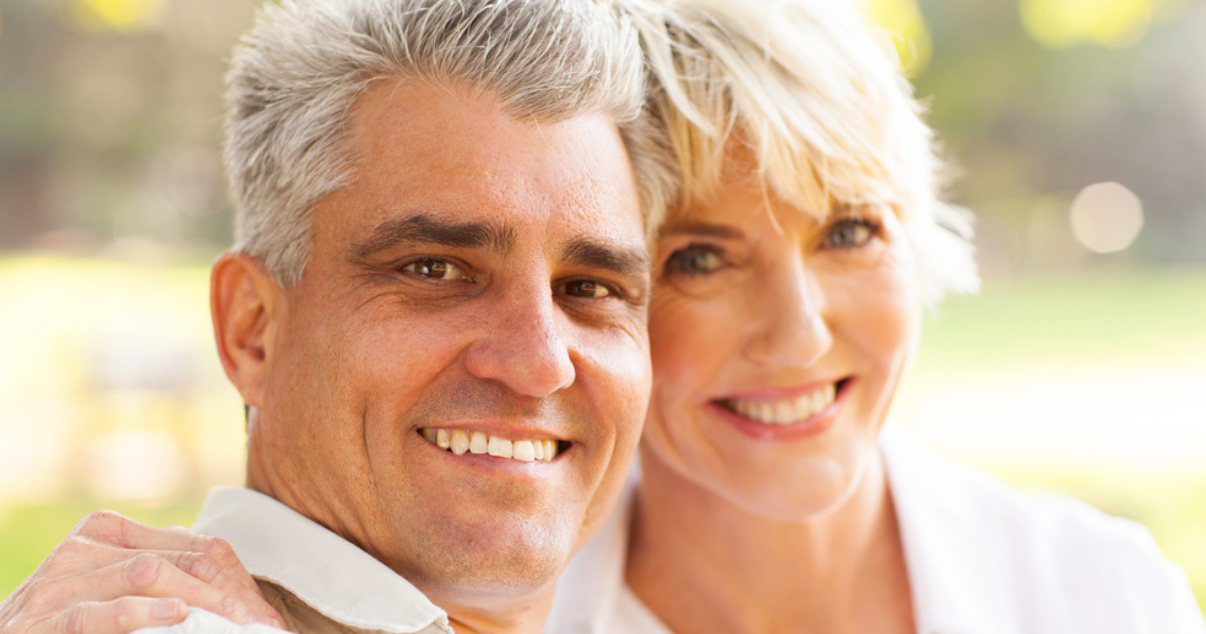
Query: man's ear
<point>244,303</point>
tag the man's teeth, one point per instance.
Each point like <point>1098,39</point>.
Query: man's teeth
<point>461,442</point>
<point>784,411</point>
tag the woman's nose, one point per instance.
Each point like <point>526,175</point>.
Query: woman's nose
<point>788,319</point>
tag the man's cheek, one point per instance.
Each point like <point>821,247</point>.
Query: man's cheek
<point>620,357</point>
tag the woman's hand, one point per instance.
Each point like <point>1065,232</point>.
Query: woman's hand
<point>112,575</point>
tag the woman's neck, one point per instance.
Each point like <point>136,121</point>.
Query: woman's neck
<point>703,565</point>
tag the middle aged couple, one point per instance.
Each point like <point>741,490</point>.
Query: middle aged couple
<point>453,219</point>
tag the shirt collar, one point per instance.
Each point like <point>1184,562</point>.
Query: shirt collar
<point>949,550</point>
<point>332,575</point>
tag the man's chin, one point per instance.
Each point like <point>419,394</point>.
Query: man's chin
<point>504,558</point>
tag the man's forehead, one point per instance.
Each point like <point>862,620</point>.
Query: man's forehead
<point>452,126</point>
<point>425,154</point>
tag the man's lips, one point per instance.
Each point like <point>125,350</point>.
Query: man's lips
<point>462,441</point>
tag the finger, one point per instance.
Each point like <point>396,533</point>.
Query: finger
<point>147,575</point>
<point>229,577</point>
<point>110,527</point>
<point>105,538</point>
<point>120,616</point>
<point>218,566</point>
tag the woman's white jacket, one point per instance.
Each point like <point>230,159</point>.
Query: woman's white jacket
<point>982,558</point>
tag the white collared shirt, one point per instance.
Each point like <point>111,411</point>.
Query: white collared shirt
<point>317,567</point>
<point>982,559</point>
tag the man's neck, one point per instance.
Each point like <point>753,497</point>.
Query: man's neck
<point>514,614</point>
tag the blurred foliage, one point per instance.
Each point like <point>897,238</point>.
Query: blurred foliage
<point>109,124</point>
<point>1027,126</point>
<point>903,21</point>
<point>1118,318</point>
<point>120,15</point>
<point>1062,23</point>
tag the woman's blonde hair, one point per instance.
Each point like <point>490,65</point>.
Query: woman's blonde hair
<point>811,87</point>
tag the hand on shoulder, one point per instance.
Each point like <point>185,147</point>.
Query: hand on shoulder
<point>112,575</point>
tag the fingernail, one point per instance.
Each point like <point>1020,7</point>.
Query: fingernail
<point>165,610</point>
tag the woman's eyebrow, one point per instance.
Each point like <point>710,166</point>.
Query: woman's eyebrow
<point>425,229</point>
<point>708,229</point>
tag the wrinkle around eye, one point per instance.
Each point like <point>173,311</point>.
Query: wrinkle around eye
<point>385,285</point>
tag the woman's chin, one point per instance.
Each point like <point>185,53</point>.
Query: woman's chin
<point>787,483</point>
<point>796,479</point>
<point>823,494</point>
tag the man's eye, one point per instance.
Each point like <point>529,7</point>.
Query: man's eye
<point>435,269</point>
<point>850,233</point>
<point>694,260</point>
<point>586,288</point>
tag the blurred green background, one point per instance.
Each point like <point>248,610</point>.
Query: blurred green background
<point>1075,129</point>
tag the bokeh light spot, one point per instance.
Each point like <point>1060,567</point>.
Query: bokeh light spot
<point>1062,23</point>
<point>115,15</point>
<point>1106,217</point>
<point>903,21</point>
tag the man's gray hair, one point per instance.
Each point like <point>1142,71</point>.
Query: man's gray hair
<point>296,74</point>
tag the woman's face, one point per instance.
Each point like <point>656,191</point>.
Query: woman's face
<point>776,351</point>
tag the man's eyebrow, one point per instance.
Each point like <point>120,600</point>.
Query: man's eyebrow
<point>701,229</point>
<point>424,229</point>
<point>626,260</point>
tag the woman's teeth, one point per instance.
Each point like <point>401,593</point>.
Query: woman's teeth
<point>783,411</point>
<point>461,442</point>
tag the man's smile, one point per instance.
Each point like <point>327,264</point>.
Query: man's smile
<point>460,442</point>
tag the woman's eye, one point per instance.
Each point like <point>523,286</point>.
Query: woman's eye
<point>694,260</point>
<point>435,269</point>
<point>850,233</point>
<point>586,288</point>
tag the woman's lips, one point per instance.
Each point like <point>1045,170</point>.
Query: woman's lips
<point>784,417</point>
<point>783,411</point>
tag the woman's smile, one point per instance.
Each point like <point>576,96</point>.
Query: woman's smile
<point>783,409</point>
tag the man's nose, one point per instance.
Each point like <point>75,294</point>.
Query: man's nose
<point>524,344</point>
<point>789,318</point>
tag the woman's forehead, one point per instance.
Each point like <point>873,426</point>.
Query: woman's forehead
<point>739,197</point>
<point>743,178</point>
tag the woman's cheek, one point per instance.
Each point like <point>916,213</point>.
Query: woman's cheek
<point>885,311</point>
<point>672,329</point>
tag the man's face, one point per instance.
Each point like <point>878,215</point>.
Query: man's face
<point>479,274</point>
